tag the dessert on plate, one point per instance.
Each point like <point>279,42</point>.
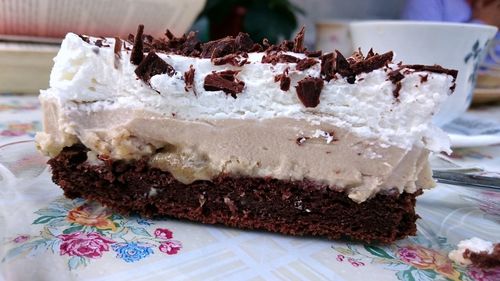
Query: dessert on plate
<point>254,136</point>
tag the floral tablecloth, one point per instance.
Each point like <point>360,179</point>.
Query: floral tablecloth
<point>44,236</point>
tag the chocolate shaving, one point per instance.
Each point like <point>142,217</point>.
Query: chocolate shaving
<point>284,58</point>
<point>313,54</point>
<point>453,86</point>
<point>298,42</point>
<point>351,79</point>
<point>224,81</point>
<point>270,58</point>
<point>219,48</point>
<point>191,45</point>
<point>309,90</point>
<point>266,44</point>
<point>423,78</point>
<point>232,59</point>
<point>286,46</point>
<point>305,63</point>
<point>433,68</point>
<point>243,42</point>
<point>189,78</point>
<point>374,62</point>
<point>256,48</point>
<point>396,90</point>
<point>137,54</point>
<point>356,57</point>
<point>370,53</point>
<point>84,38</point>
<point>395,76</point>
<point>284,80</point>
<point>148,40</point>
<point>343,68</point>
<point>186,45</point>
<point>436,69</point>
<point>275,58</point>
<point>117,50</point>
<point>327,66</point>
<point>169,34</point>
<point>118,47</point>
<point>153,65</point>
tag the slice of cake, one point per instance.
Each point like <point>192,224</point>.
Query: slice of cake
<point>255,136</point>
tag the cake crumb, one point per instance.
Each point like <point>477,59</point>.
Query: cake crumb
<point>477,252</point>
<point>152,192</point>
<point>329,137</point>
<point>298,205</point>
<point>301,140</point>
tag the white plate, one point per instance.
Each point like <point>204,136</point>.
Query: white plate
<point>473,141</point>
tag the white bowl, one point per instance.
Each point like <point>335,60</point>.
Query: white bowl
<point>451,45</point>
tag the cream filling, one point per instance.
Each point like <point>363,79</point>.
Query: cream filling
<point>281,148</point>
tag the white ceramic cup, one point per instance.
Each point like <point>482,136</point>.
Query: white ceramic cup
<point>451,45</point>
<point>331,35</point>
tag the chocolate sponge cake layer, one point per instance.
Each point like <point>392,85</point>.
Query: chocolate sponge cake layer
<point>301,208</point>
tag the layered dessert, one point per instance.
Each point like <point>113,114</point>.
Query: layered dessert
<point>249,135</point>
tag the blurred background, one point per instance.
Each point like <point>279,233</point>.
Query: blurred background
<point>278,19</point>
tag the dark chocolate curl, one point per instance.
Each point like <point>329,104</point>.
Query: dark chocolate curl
<point>137,53</point>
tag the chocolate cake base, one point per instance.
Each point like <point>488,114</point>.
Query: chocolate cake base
<point>288,207</point>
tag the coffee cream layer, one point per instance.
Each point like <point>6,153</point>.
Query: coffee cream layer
<point>361,138</point>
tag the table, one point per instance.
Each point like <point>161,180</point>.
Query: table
<point>44,236</point>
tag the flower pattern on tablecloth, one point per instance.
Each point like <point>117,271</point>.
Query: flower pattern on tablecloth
<point>19,129</point>
<point>86,231</point>
<point>413,259</point>
<point>19,116</point>
<point>485,275</point>
<point>132,251</point>
<point>13,103</point>
<point>81,244</point>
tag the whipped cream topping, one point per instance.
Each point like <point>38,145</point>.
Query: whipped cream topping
<point>85,73</point>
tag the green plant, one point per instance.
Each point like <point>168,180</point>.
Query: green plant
<point>272,19</point>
